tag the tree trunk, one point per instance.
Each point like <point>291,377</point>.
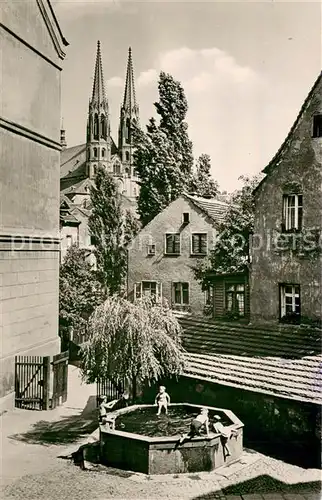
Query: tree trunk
<point>134,387</point>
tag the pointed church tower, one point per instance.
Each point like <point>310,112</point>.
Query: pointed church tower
<point>129,114</point>
<point>98,144</point>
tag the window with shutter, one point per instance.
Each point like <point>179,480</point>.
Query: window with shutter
<point>199,244</point>
<point>172,244</point>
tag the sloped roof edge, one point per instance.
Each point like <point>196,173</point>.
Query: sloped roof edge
<point>289,135</point>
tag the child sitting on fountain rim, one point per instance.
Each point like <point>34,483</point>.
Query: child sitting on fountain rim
<point>196,426</point>
<point>162,399</point>
<point>103,410</point>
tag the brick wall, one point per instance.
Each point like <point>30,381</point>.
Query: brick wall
<point>300,164</point>
<point>165,268</point>
<point>29,173</point>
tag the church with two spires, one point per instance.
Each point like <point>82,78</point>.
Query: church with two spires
<point>79,163</point>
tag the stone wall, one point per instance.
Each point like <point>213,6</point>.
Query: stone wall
<point>29,171</point>
<point>300,163</point>
<point>167,268</point>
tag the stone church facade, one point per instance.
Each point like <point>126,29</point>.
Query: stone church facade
<point>79,163</point>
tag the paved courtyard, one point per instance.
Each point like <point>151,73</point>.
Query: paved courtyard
<point>33,444</point>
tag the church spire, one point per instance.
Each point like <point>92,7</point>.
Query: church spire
<point>128,116</point>
<point>129,100</point>
<point>99,94</point>
<point>98,145</point>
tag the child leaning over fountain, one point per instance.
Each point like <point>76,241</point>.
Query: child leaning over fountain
<point>196,425</point>
<point>162,399</point>
<point>225,433</point>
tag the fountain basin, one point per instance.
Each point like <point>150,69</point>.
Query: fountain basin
<point>159,454</point>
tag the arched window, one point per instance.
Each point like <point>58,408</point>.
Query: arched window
<point>103,127</point>
<point>95,152</point>
<point>128,130</point>
<point>95,169</point>
<point>127,156</point>
<point>103,152</point>
<point>96,126</point>
<point>88,154</point>
<point>116,169</point>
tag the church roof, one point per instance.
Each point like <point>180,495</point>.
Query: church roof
<point>73,161</point>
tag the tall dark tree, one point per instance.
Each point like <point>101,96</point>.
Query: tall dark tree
<point>163,156</point>
<point>131,227</point>
<point>231,250</point>
<point>106,227</point>
<point>202,183</point>
<point>79,292</point>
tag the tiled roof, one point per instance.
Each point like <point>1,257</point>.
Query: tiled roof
<point>66,208</point>
<point>212,207</point>
<point>78,187</point>
<point>280,361</point>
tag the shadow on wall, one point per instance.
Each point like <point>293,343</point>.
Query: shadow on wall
<point>267,484</point>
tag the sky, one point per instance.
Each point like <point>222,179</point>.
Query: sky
<point>246,68</point>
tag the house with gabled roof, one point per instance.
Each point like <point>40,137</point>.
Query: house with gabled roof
<point>286,263</point>
<point>163,255</point>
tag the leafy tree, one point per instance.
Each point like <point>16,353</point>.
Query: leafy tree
<point>138,342</point>
<point>231,251</point>
<point>202,184</point>
<point>131,227</point>
<point>106,227</point>
<point>163,155</point>
<point>79,292</point>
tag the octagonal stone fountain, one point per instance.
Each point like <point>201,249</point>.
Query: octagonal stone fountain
<point>144,442</point>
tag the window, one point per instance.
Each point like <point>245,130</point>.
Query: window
<point>96,126</point>
<point>116,169</point>
<point>103,152</point>
<point>148,289</point>
<point>151,249</point>
<point>127,156</point>
<point>103,127</point>
<point>69,240</point>
<point>186,217</point>
<point>292,211</point>
<point>181,294</point>
<point>92,240</point>
<point>134,192</point>
<point>317,126</point>
<point>199,244</point>
<point>172,244</point>
<point>235,299</point>
<point>290,301</point>
<point>209,296</point>
<point>95,152</point>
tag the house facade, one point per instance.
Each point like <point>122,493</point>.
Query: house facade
<point>286,250</point>
<point>31,40</point>
<point>162,257</point>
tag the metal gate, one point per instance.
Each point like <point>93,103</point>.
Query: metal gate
<point>32,379</point>
<point>109,388</point>
<point>60,378</point>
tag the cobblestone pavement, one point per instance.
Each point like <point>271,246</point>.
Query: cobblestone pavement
<point>32,443</point>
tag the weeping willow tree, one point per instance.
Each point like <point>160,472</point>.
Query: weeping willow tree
<point>139,342</point>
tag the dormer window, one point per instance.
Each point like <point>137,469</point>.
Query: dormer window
<point>186,218</point>
<point>317,126</point>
